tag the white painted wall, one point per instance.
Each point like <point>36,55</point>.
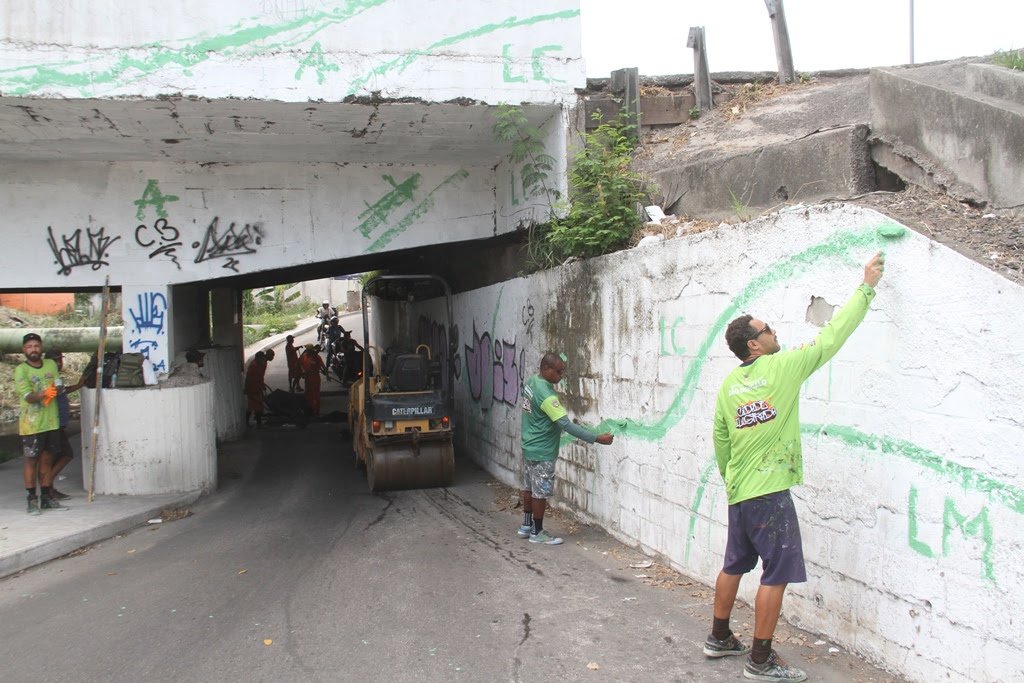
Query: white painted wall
<point>152,440</point>
<point>912,433</point>
<point>293,50</point>
<point>70,224</point>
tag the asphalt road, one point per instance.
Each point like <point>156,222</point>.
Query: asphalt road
<point>294,571</point>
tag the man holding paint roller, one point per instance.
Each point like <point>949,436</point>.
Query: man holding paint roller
<point>757,446</point>
<point>544,420</point>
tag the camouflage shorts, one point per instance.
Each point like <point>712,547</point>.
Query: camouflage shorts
<point>34,445</point>
<point>539,477</point>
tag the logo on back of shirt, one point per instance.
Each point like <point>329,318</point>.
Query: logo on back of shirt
<point>754,413</point>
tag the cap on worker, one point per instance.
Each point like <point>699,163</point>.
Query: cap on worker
<point>31,336</point>
<point>310,347</point>
<point>327,302</point>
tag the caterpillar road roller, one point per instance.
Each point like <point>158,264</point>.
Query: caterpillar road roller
<point>400,407</point>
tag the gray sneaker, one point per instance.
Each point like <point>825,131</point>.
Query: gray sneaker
<point>525,531</point>
<point>33,506</point>
<point>47,503</point>
<point>545,538</point>
<point>713,647</point>
<point>774,669</point>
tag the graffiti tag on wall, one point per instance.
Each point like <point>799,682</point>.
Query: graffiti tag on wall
<point>146,326</point>
<point>78,249</point>
<point>493,369</point>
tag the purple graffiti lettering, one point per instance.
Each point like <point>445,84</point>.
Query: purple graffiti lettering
<point>72,253</point>
<point>496,363</point>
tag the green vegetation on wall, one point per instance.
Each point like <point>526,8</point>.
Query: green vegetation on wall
<point>604,193</point>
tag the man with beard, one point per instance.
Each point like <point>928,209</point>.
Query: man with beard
<point>39,422</point>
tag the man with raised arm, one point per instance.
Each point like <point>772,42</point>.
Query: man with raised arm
<point>757,446</point>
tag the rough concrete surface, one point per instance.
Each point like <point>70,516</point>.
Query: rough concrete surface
<point>765,115</point>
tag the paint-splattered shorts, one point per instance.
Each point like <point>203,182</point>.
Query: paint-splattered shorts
<point>766,527</point>
<point>539,477</point>
<point>34,445</point>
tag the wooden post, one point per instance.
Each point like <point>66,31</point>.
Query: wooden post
<point>701,73</point>
<point>627,82</point>
<point>783,53</point>
<point>99,389</point>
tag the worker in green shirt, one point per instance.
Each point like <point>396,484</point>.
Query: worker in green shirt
<point>38,423</point>
<point>544,420</point>
<point>757,446</point>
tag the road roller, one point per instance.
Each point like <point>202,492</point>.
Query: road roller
<point>400,407</point>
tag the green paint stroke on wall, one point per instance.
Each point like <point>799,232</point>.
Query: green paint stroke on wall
<point>152,196</point>
<point>248,38</point>
<point>418,211</point>
<point>399,64</point>
<point>315,61</point>
<point>1007,495</point>
<point>378,213</point>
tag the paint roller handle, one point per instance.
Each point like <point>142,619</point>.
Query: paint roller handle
<point>49,393</point>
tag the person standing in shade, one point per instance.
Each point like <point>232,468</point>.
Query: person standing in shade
<point>64,413</point>
<point>254,388</point>
<point>544,420</point>
<point>291,354</point>
<point>758,451</point>
<point>38,423</point>
<point>312,365</point>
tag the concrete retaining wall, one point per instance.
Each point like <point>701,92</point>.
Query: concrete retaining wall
<point>834,163</point>
<point>914,495</point>
<point>977,136</point>
<point>152,440</point>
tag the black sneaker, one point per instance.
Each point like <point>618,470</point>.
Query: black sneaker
<point>713,647</point>
<point>57,495</point>
<point>47,503</point>
<point>774,669</point>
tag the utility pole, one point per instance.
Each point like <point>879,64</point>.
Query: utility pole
<point>783,53</point>
<point>911,31</point>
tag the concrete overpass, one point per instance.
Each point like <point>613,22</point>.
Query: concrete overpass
<point>187,152</point>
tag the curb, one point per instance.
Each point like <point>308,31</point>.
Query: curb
<point>55,548</point>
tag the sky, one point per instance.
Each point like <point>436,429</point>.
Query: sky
<point>824,34</point>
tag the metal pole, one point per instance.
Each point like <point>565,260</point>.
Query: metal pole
<point>911,31</point>
<point>99,390</point>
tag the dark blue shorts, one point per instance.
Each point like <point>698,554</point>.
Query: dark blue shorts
<point>766,527</point>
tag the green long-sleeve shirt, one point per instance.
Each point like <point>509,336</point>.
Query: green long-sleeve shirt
<point>757,416</point>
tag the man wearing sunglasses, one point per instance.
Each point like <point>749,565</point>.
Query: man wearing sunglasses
<point>757,446</point>
<point>544,420</point>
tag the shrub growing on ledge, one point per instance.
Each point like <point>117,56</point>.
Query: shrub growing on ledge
<point>604,194</point>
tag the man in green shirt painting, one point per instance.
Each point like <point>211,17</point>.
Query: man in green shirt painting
<point>544,420</point>
<point>757,446</point>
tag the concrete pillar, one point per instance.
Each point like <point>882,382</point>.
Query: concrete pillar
<point>152,440</point>
<point>701,72</point>
<point>223,365</point>
<point>226,316</point>
<point>147,329</point>
<point>626,84</point>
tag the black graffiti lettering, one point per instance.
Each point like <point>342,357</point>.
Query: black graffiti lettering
<point>233,242</point>
<point>72,253</point>
<point>166,235</point>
